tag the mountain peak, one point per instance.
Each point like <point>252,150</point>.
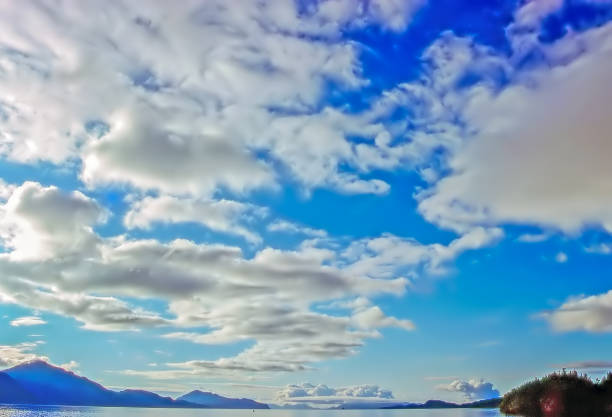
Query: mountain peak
<point>200,392</point>
<point>39,366</point>
<point>35,364</point>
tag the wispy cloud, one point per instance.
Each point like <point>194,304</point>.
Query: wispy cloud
<point>28,321</point>
<point>588,313</point>
<point>288,227</point>
<point>11,355</point>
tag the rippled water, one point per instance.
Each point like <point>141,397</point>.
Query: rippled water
<point>148,412</point>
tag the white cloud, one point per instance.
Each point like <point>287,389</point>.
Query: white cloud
<point>587,313</point>
<point>11,355</point>
<point>391,14</point>
<point>323,394</point>
<point>191,100</point>
<point>172,161</point>
<point>389,255</point>
<point>601,249</point>
<point>265,299</point>
<point>289,227</point>
<point>70,366</point>
<point>27,321</point>
<point>368,317</point>
<point>222,216</point>
<point>99,313</point>
<point>561,257</point>
<point>547,127</point>
<point>472,390</point>
<point>533,237</point>
<point>186,101</point>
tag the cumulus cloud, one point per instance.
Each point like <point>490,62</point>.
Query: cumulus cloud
<point>271,293</point>
<point>548,126</point>
<point>587,313</point>
<point>265,299</point>
<point>188,103</point>
<point>323,394</point>
<point>27,321</point>
<point>196,99</point>
<point>222,216</point>
<point>12,355</point>
<point>35,224</point>
<point>169,160</point>
<point>472,390</point>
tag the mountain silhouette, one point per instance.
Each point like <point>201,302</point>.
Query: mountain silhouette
<point>39,383</point>
<point>140,398</point>
<point>212,400</point>
<point>12,391</point>
<point>52,385</point>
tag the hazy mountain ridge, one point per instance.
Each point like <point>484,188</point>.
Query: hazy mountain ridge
<point>217,401</point>
<point>39,383</point>
<point>11,391</point>
<point>489,403</point>
<point>51,385</point>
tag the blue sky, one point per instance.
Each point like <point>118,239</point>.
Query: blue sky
<point>307,201</point>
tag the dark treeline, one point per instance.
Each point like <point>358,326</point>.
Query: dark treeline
<point>565,394</point>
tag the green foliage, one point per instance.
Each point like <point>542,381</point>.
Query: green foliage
<point>560,395</point>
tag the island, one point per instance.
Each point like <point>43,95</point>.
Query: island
<point>563,394</point>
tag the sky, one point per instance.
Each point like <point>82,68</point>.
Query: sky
<point>307,201</point>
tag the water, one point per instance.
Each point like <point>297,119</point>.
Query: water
<point>148,412</point>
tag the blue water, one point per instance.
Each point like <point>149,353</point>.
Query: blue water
<point>148,412</point>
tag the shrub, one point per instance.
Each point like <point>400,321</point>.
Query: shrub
<point>560,395</point>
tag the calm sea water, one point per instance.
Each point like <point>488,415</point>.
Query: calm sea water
<point>148,412</point>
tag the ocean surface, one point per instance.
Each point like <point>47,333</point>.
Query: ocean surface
<point>148,412</point>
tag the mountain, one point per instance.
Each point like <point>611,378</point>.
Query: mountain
<point>39,383</point>
<point>217,401</point>
<point>439,404</point>
<point>490,403</point>
<point>140,398</point>
<point>12,391</point>
<point>365,405</point>
<point>51,385</point>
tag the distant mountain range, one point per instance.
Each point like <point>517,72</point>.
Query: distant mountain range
<point>490,403</point>
<point>216,401</point>
<point>39,383</point>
